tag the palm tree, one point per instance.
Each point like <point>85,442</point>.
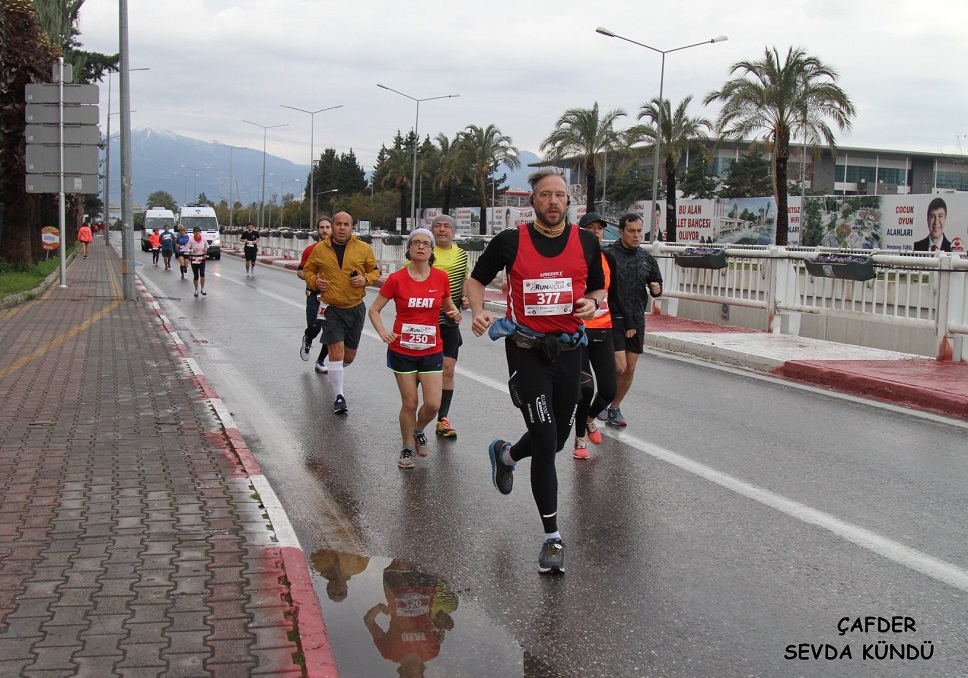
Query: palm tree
<point>450,166</point>
<point>484,148</point>
<point>583,132</point>
<point>800,94</point>
<point>396,169</point>
<point>679,132</point>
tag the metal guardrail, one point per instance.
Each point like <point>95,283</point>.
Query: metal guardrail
<point>926,291</point>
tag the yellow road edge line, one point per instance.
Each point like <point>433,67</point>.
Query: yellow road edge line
<point>80,328</point>
<point>59,340</point>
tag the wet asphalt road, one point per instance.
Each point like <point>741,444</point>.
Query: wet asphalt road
<point>736,516</point>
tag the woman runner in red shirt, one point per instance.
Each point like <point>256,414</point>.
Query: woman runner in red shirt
<point>414,349</point>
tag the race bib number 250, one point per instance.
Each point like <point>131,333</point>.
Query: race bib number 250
<point>418,337</point>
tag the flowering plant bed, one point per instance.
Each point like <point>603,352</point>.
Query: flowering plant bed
<point>842,266</point>
<point>701,257</point>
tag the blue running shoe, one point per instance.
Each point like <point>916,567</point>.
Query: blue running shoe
<point>615,418</point>
<point>502,475</point>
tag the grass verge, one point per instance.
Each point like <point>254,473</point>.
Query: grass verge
<point>16,278</point>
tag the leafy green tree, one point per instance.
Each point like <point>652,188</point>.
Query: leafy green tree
<point>586,133</point>
<point>629,183</point>
<point>25,57</point>
<point>698,182</point>
<point>679,132</point>
<point>747,177</point>
<point>799,93</point>
<point>484,148</point>
<point>162,199</point>
<point>811,225</point>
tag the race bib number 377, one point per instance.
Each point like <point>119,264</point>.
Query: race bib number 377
<point>548,296</point>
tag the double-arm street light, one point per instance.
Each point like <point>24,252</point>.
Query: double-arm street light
<point>196,170</point>
<point>262,201</point>
<point>312,155</point>
<point>416,144</point>
<point>658,129</point>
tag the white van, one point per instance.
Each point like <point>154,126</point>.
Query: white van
<point>155,217</point>
<point>204,218</point>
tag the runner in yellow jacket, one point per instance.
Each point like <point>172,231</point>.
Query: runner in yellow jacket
<point>339,269</point>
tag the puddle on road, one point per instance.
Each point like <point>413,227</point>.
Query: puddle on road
<point>388,617</point>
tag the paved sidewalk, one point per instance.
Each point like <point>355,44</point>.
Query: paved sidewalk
<point>901,378</point>
<point>137,535</point>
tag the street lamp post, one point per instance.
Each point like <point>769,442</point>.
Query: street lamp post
<point>231,148</point>
<point>331,190</point>
<point>185,193</point>
<point>262,201</point>
<point>416,143</point>
<point>282,197</point>
<point>658,129</point>
<point>107,162</point>
<point>196,170</point>
<point>312,154</point>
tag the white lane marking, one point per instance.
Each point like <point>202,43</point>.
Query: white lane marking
<point>773,379</point>
<point>894,551</point>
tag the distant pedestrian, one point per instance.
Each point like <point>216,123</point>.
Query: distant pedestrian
<point>197,253</point>
<point>154,243</point>
<point>415,351</point>
<point>555,282</point>
<point>340,268</point>
<point>324,227</point>
<point>182,246</point>
<point>638,276</point>
<point>85,236</point>
<point>250,248</point>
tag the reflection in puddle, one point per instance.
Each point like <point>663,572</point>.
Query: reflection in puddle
<point>418,606</point>
<point>390,618</point>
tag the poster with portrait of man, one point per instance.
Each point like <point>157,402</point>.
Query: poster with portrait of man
<point>926,222</point>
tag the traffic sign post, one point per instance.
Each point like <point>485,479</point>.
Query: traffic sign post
<point>62,142</point>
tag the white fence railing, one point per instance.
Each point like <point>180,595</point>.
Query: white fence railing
<point>917,302</point>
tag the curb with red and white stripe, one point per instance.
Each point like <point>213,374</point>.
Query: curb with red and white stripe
<point>313,635</point>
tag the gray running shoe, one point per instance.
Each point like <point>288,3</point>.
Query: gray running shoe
<point>551,560</point>
<point>420,444</point>
<point>502,475</point>
<point>406,458</point>
<point>615,418</point>
<point>306,347</point>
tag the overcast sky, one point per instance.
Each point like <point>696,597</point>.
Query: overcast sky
<point>518,65</point>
